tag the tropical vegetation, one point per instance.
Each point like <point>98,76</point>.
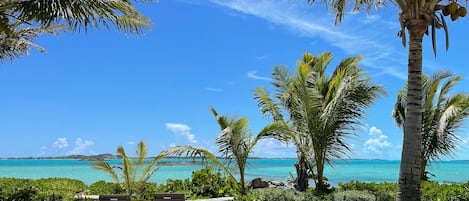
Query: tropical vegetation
<point>234,143</point>
<point>55,189</point>
<point>323,110</point>
<point>133,173</point>
<point>416,17</point>
<point>443,115</point>
<point>22,21</point>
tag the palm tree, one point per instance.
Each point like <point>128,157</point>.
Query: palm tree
<point>134,172</point>
<point>323,110</point>
<point>21,21</point>
<point>235,144</point>
<point>415,17</point>
<point>443,116</point>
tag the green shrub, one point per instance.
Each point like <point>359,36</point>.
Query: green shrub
<point>58,188</point>
<point>382,191</point>
<point>103,187</point>
<point>50,189</point>
<point>147,191</point>
<point>450,192</point>
<point>206,182</point>
<point>353,195</point>
<point>272,194</point>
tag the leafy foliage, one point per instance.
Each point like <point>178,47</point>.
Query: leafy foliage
<point>234,144</point>
<point>41,189</point>
<point>103,187</point>
<point>135,173</point>
<point>323,110</point>
<point>272,194</point>
<point>443,116</point>
<point>22,21</point>
<point>204,183</point>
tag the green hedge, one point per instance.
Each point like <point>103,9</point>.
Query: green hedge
<point>207,183</point>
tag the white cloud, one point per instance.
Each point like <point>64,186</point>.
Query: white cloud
<point>131,142</point>
<point>182,130</point>
<point>253,75</point>
<point>377,142</point>
<point>351,36</point>
<point>213,89</point>
<point>271,148</point>
<point>60,143</point>
<point>375,131</point>
<point>63,147</point>
<point>81,147</point>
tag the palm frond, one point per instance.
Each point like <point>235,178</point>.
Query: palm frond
<point>267,104</point>
<point>194,153</point>
<point>82,14</point>
<point>18,40</point>
<point>104,166</point>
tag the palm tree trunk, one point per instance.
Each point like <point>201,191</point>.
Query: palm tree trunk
<point>409,175</point>
<point>302,176</point>
<point>320,185</point>
<point>242,183</point>
<point>423,167</point>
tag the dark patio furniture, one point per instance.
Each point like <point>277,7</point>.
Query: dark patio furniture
<point>115,197</point>
<point>169,196</point>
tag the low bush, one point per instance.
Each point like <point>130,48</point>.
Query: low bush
<point>272,194</point>
<point>449,192</point>
<point>205,183</point>
<point>49,189</point>
<point>354,195</point>
<point>382,191</point>
<point>103,187</point>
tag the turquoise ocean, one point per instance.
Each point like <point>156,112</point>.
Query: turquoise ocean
<point>269,169</point>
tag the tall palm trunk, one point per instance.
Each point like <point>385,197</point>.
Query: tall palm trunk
<point>242,183</point>
<point>320,184</point>
<point>423,167</point>
<point>302,175</point>
<point>409,175</point>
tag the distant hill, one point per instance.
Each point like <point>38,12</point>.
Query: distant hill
<point>79,157</point>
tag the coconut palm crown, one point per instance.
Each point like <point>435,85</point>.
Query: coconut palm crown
<point>235,144</point>
<point>443,116</point>
<point>22,21</point>
<point>416,18</point>
<point>134,172</point>
<point>324,110</point>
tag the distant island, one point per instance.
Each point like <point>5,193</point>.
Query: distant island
<point>98,157</point>
<point>108,156</point>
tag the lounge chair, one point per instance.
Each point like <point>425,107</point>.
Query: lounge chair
<point>169,196</point>
<point>114,198</point>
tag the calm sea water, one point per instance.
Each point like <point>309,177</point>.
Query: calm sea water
<point>270,169</point>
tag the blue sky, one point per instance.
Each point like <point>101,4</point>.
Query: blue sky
<point>94,91</point>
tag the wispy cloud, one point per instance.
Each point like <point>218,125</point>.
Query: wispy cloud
<point>253,75</point>
<point>182,130</point>
<point>213,89</point>
<point>262,57</point>
<point>357,38</point>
